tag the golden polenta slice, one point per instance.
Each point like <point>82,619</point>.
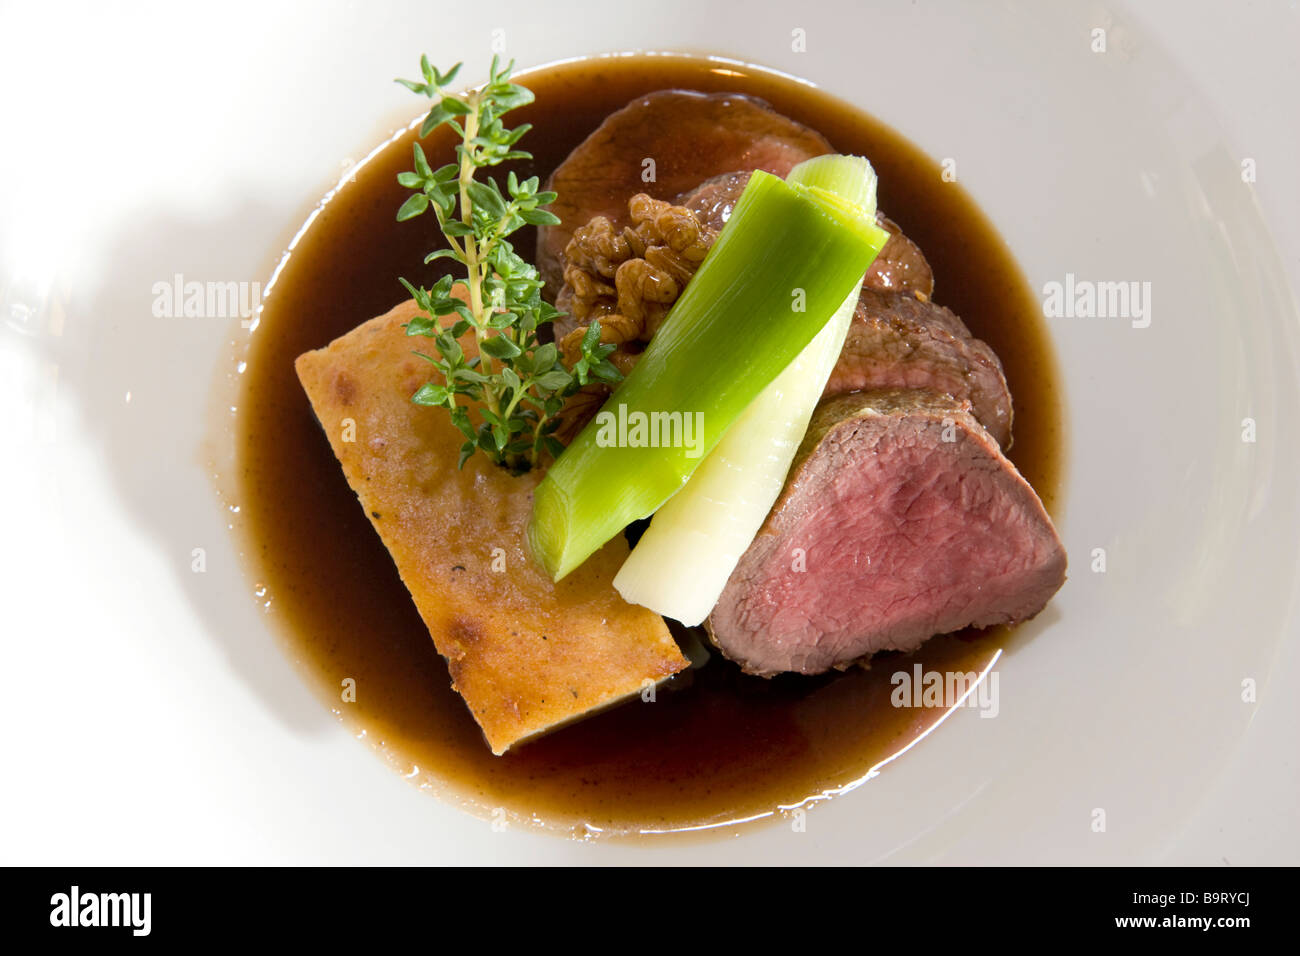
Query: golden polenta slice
<point>526,654</point>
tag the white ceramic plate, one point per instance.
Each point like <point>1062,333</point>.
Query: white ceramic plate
<point>151,715</point>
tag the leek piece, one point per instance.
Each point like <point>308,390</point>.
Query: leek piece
<point>785,260</point>
<point>683,561</point>
<point>852,178</point>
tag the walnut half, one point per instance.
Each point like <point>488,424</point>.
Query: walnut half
<point>629,278</point>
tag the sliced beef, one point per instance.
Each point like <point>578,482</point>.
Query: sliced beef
<point>900,267</point>
<point>690,136</point>
<point>713,199</point>
<point>899,341</point>
<point>900,519</point>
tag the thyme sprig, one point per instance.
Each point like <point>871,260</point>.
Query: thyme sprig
<point>518,383</point>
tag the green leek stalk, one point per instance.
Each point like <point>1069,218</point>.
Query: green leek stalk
<point>787,258</point>
<point>683,561</point>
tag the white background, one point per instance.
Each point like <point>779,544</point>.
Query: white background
<point>1246,57</point>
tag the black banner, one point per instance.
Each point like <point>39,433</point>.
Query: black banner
<point>1147,905</point>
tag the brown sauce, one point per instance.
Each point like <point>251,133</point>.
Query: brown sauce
<point>721,747</point>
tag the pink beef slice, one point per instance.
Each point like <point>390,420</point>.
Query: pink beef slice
<point>911,523</point>
<point>690,136</point>
<point>900,266</point>
<point>897,340</point>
